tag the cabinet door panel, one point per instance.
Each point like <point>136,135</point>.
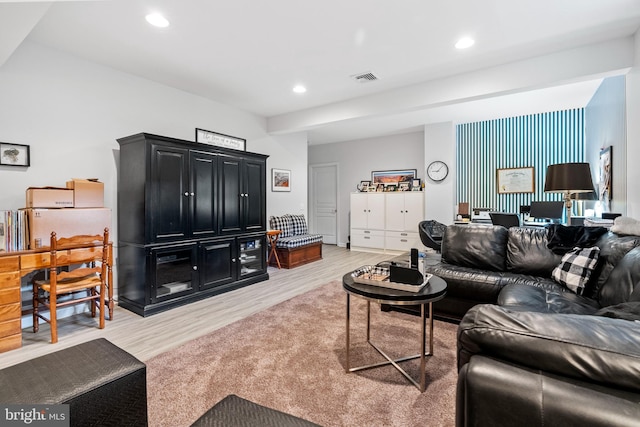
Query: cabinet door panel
<point>359,208</point>
<point>168,210</point>
<point>376,211</point>
<point>395,211</point>
<point>230,190</point>
<point>414,210</point>
<point>254,199</point>
<point>204,168</point>
<point>217,265</point>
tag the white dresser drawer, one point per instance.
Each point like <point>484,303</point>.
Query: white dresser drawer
<point>367,238</point>
<point>402,240</point>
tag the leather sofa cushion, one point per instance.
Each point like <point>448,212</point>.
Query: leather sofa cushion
<point>626,310</point>
<point>623,283</point>
<point>480,247</point>
<point>588,348</point>
<point>499,394</point>
<point>481,286</point>
<point>612,249</point>
<point>527,252</point>
<point>550,298</point>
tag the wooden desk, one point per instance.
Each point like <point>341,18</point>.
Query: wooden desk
<point>14,265</point>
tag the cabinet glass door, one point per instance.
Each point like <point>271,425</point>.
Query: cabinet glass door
<point>174,271</point>
<point>252,256</point>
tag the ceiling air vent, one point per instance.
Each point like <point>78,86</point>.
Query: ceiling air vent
<point>365,77</point>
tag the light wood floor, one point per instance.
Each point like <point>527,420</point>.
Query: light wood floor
<point>145,337</point>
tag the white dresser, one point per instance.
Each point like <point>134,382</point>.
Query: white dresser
<point>386,222</point>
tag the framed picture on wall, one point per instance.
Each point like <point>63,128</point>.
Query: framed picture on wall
<point>515,180</point>
<point>14,155</point>
<point>280,180</point>
<point>393,176</point>
<point>604,185</point>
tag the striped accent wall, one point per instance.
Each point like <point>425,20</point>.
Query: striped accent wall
<point>536,140</point>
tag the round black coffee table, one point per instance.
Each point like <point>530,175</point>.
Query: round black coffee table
<point>434,290</point>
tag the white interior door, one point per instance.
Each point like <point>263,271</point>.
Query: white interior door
<point>324,202</point>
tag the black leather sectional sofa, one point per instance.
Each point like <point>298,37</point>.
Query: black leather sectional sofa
<point>530,351</point>
<point>479,261</point>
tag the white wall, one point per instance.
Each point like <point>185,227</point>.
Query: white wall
<point>604,121</point>
<point>287,152</point>
<point>71,111</point>
<point>633,134</point>
<point>440,144</point>
<point>356,160</point>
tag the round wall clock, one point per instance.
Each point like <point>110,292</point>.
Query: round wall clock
<point>437,171</point>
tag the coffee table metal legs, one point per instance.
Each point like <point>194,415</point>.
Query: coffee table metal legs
<point>389,361</point>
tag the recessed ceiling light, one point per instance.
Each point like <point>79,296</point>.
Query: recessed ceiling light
<point>299,89</point>
<point>157,20</point>
<point>465,42</point>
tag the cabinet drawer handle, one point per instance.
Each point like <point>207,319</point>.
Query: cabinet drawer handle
<point>367,237</point>
<point>404,240</point>
<point>367,232</point>
<point>403,234</point>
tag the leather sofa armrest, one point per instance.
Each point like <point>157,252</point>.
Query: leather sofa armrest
<point>591,348</point>
<point>498,394</point>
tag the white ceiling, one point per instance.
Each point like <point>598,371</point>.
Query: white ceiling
<point>250,53</point>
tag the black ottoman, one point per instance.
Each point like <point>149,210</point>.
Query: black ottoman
<point>233,411</point>
<point>102,384</point>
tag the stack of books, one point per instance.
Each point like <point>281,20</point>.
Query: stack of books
<point>14,231</point>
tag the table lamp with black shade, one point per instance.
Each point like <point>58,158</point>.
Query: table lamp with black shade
<point>569,179</point>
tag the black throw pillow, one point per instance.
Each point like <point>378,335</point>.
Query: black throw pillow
<point>563,238</point>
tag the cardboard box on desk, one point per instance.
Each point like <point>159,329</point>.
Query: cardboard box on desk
<point>66,223</point>
<point>87,193</point>
<point>49,197</point>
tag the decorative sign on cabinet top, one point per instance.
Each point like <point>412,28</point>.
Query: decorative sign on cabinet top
<point>220,140</point>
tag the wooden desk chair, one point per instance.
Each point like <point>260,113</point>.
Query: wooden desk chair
<point>92,253</point>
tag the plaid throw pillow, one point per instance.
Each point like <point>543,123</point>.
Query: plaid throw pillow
<point>299,224</point>
<point>576,267</point>
<point>282,223</point>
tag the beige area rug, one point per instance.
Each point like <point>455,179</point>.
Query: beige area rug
<point>291,357</point>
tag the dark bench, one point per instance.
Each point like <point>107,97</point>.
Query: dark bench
<point>102,384</point>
